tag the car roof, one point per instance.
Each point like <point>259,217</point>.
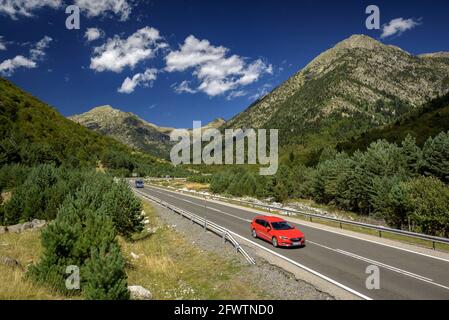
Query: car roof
<point>270,218</point>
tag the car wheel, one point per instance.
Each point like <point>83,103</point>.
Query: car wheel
<point>254,233</point>
<point>275,242</point>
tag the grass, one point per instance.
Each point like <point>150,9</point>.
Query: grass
<point>25,248</point>
<point>169,266</point>
<point>173,268</point>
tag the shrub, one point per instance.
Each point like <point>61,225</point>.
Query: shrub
<point>104,275</point>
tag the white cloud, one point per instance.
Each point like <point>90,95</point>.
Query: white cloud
<point>15,8</point>
<point>117,53</point>
<point>93,34</point>
<point>2,44</point>
<point>140,79</point>
<point>37,53</point>
<point>216,72</point>
<point>8,66</point>
<point>94,8</point>
<point>183,87</point>
<point>236,94</point>
<point>398,26</point>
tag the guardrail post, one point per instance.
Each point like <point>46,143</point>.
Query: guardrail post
<point>434,245</point>
<point>310,219</point>
<point>224,237</point>
<point>205,224</point>
<point>380,233</point>
<point>341,225</point>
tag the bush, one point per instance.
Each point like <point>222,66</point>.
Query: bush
<point>428,205</point>
<point>81,227</point>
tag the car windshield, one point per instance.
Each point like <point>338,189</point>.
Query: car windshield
<point>283,225</point>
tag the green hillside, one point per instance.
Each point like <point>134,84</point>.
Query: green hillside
<point>33,132</point>
<point>422,123</point>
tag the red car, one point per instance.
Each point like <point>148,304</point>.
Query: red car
<point>278,231</point>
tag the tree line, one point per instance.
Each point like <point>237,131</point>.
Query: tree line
<point>404,185</point>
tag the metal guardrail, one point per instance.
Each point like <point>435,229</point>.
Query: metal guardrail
<point>208,225</point>
<point>379,229</point>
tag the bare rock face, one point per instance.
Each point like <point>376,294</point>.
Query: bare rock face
<point>139,293</point>
<point>21,227</point>
<point>360,79</point>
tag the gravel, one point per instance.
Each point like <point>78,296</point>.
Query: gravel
<point>280,283</point>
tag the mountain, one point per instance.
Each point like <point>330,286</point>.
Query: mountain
<point>127,128</point>
<point>131,130</point>
<point>356,85</point>
<point>421,123</point>
<point>32,132</point>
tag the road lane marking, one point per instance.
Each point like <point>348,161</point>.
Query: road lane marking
<point>316,273</point>
<point>202,206</point>
<point>383,265</point>
<point>326,230</point>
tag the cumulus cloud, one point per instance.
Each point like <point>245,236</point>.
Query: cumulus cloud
<point>140,79</point>
<point>398,26</point>
<point>15,8</point>
<point>37,53</point>
<point>216,71</point>
<point>96,8</point>
<point>8,66</point>
<point>118,53</point>
<point>93,34</point>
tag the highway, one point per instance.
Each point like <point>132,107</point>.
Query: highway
<point>341,258</point>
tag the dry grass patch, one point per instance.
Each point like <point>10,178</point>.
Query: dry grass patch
<point>173,268</point>
<point>26,249</point>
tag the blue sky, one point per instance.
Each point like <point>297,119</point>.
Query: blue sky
<point>189,60</point>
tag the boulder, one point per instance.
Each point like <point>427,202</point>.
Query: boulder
<point>139,293</point>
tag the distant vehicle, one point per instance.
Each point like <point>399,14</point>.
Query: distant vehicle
<point>139,183</point>
<point>278,231</point>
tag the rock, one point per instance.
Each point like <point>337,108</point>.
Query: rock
<point>146,221</point>
<point>134,256</point>
<point>139,293</point>
<point>33,225</point>
<point>10,262</point>
<point>2,229</point>
<point>14,228</point>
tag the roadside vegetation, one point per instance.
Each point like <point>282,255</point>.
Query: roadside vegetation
<point>404,185</point>
<point>167,264</point>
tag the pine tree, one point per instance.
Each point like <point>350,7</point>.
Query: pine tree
<point>103,274</point>
<point>436,157</point>
<point>412,154</point>
<point>125,210</point>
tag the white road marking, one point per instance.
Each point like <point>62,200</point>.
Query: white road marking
<point>335,232</point>
<point>322,276</point>
<point>383,265</point>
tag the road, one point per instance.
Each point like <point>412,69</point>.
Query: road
<point>341,258</point>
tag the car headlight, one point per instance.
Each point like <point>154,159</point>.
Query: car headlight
<point>283,238</point>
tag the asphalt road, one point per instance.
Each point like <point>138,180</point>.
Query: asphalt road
<point>344,259</point>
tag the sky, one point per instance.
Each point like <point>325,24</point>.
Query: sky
<point>175,61</point>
